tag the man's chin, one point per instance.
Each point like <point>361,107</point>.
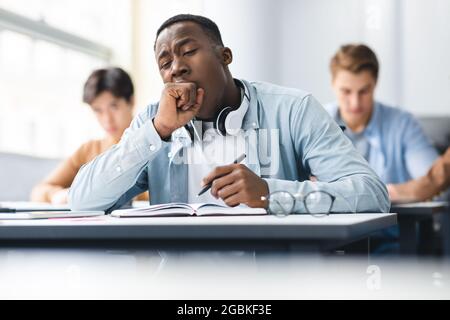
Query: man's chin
<point>205,115</point>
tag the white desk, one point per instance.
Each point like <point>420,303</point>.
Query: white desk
<point>304,230</point>
<point>419,208</point>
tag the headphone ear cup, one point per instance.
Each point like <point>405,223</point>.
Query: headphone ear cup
<point>219,124</point>
<point>233,122</point>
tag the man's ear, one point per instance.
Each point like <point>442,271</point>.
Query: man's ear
<point>227,56</point>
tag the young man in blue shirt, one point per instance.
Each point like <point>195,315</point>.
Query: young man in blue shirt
<point>286,134</point>
<point>390,139</point>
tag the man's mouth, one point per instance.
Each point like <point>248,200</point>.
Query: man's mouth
<point>187,81</point>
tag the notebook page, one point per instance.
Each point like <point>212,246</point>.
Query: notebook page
<point>167,209</point>
<point>217,209</point>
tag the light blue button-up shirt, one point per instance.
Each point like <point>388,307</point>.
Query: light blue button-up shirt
<point>398,148</point>
<point>290,137</point>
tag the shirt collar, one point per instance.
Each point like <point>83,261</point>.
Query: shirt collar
<point>370,129</point>
<point>251,120</point>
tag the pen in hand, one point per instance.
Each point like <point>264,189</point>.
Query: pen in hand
<point>208,186</point>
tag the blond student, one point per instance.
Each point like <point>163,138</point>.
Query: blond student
<point>389,138</point>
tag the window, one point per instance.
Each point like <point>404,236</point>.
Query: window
<point>47,50</point>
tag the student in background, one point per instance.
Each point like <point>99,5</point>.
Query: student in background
<point>110,94</point>
<point>437,180</point>
<point>390,139</point>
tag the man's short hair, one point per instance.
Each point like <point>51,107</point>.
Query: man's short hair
<point>114,80</point>
<point>355,58</point>
<point>209,26</point>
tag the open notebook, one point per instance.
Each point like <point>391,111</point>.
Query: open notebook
<point>184,209</point>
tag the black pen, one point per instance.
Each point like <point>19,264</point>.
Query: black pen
<point>208,186</point>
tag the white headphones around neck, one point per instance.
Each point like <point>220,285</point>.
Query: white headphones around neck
<point>229,121</point>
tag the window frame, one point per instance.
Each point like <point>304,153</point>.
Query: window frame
<point>40,30</point>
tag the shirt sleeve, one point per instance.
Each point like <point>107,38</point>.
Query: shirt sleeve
<point>323,149</point>
<point>111,179</point>
<point>418,152</point>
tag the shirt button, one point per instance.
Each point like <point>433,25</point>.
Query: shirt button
<point>118,169</point>
<point>169,154</point>
<point>152,147</point>
<point>254,124</point>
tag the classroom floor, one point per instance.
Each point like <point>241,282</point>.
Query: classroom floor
<point>82,273</point>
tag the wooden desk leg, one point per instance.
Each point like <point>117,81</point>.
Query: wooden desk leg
<point>408,235</point>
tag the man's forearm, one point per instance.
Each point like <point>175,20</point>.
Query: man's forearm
<point>430,185</point>
<point>100,183</point>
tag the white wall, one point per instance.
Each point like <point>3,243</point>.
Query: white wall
<point>311,31</point>
<point>290,42</point>
<point>251,29</point>
<point>148,15</point>
<point>410,37</point>
<point>425,70</point>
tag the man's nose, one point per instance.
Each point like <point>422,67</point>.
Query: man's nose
<point>179,68</point>
<point>107,118</point>
<point>354,100</point>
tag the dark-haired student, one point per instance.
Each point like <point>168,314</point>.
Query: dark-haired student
<point>110,94</point>
<point>286,134</point>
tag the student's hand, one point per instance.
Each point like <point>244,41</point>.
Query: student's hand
<point>236,184</point>
<point>180,102</point>
<point>60,197</point>
<point>404,192</point>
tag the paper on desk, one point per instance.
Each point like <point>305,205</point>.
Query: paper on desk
<point>49,215</point>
